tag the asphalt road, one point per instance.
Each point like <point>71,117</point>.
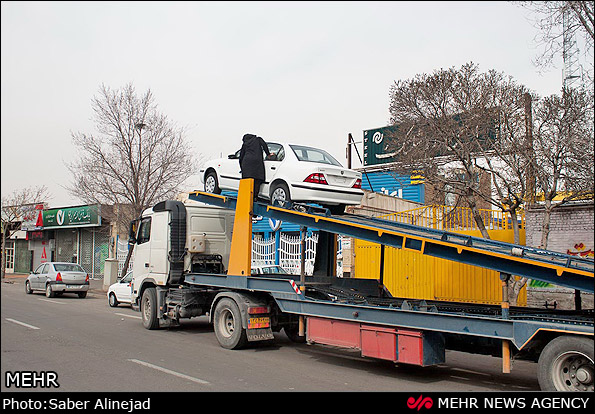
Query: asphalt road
<point>93,347</point>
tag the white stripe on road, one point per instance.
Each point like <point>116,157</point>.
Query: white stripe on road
<point>168,371</point>
<point>21,323</point>
<point>53,301</point>
<point>129,316</point>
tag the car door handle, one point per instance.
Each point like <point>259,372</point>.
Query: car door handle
<point>146,265</point>
<point>273,168</point>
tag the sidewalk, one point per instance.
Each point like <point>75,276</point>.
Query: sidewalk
<point>95,285</point>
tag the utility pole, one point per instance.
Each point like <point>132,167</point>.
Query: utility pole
<point>529,147</point>
<point>348,152</point>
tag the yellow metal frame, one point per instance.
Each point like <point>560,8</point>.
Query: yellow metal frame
<point>460,249</point>
<point>240,256</point>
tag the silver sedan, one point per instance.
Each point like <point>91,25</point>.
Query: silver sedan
<point>56,278</point>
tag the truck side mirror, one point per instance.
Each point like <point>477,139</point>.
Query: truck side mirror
<point>132,232</point>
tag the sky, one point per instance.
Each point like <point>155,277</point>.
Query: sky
<point>305,72</point>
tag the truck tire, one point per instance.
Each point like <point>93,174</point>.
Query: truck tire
<point>227,323</point>
<point>566,364</point>
<point>148,309</point>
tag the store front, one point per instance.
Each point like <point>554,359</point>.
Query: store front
<point>72,234</point>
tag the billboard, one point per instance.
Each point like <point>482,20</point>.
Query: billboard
<point>376,146</point>
<point>31,216</point>
<point>82,216</point>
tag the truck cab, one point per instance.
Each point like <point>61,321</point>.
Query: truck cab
<point>174,238</point>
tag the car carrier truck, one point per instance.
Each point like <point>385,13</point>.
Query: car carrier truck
<point>193,258</point>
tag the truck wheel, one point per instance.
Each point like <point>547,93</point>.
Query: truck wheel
<point>566,364</point>
<point>227,322</point>
<point>148,309</point>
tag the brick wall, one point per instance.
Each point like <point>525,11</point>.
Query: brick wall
<point>571,230</point>
<point>570,226</point>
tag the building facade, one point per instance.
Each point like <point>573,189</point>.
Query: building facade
<point>75,234</point>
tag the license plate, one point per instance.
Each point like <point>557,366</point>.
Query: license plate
<point>72,286</point>
<point>256,323</point>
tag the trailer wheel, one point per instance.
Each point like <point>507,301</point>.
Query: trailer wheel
<point>292,332</point>
<point>148,309</point>
<point>227,322</point>
<point>566,364</point>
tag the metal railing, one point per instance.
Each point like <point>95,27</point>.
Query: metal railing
<point>455,218</point>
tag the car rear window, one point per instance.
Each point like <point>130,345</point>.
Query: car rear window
<point>314,155</point>
<point>67,267</point>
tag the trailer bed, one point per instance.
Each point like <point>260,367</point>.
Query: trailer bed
<point>354,300</point>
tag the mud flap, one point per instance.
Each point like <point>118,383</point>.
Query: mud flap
<point>259,334</point>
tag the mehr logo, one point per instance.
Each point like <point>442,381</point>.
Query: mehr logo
<point>420,403</point>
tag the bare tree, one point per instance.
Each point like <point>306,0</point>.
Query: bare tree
<point>458,126</point>
<point>563,150</point>
<point>137,158</point>
<point>14,207</point>
<point>560,155</point>
<point>455,126</point>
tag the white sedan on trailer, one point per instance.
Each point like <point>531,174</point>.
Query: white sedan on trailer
<point>295,173</point>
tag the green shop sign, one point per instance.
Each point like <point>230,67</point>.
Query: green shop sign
<point>83,216</point>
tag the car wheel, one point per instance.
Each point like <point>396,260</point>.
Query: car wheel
<point>280,194</point>
<point>83,295</point>
<point>49,292</point>
<point>337,210</point>
<point>28,289</point>
<point>113,302</point>
<point>211,183</point>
